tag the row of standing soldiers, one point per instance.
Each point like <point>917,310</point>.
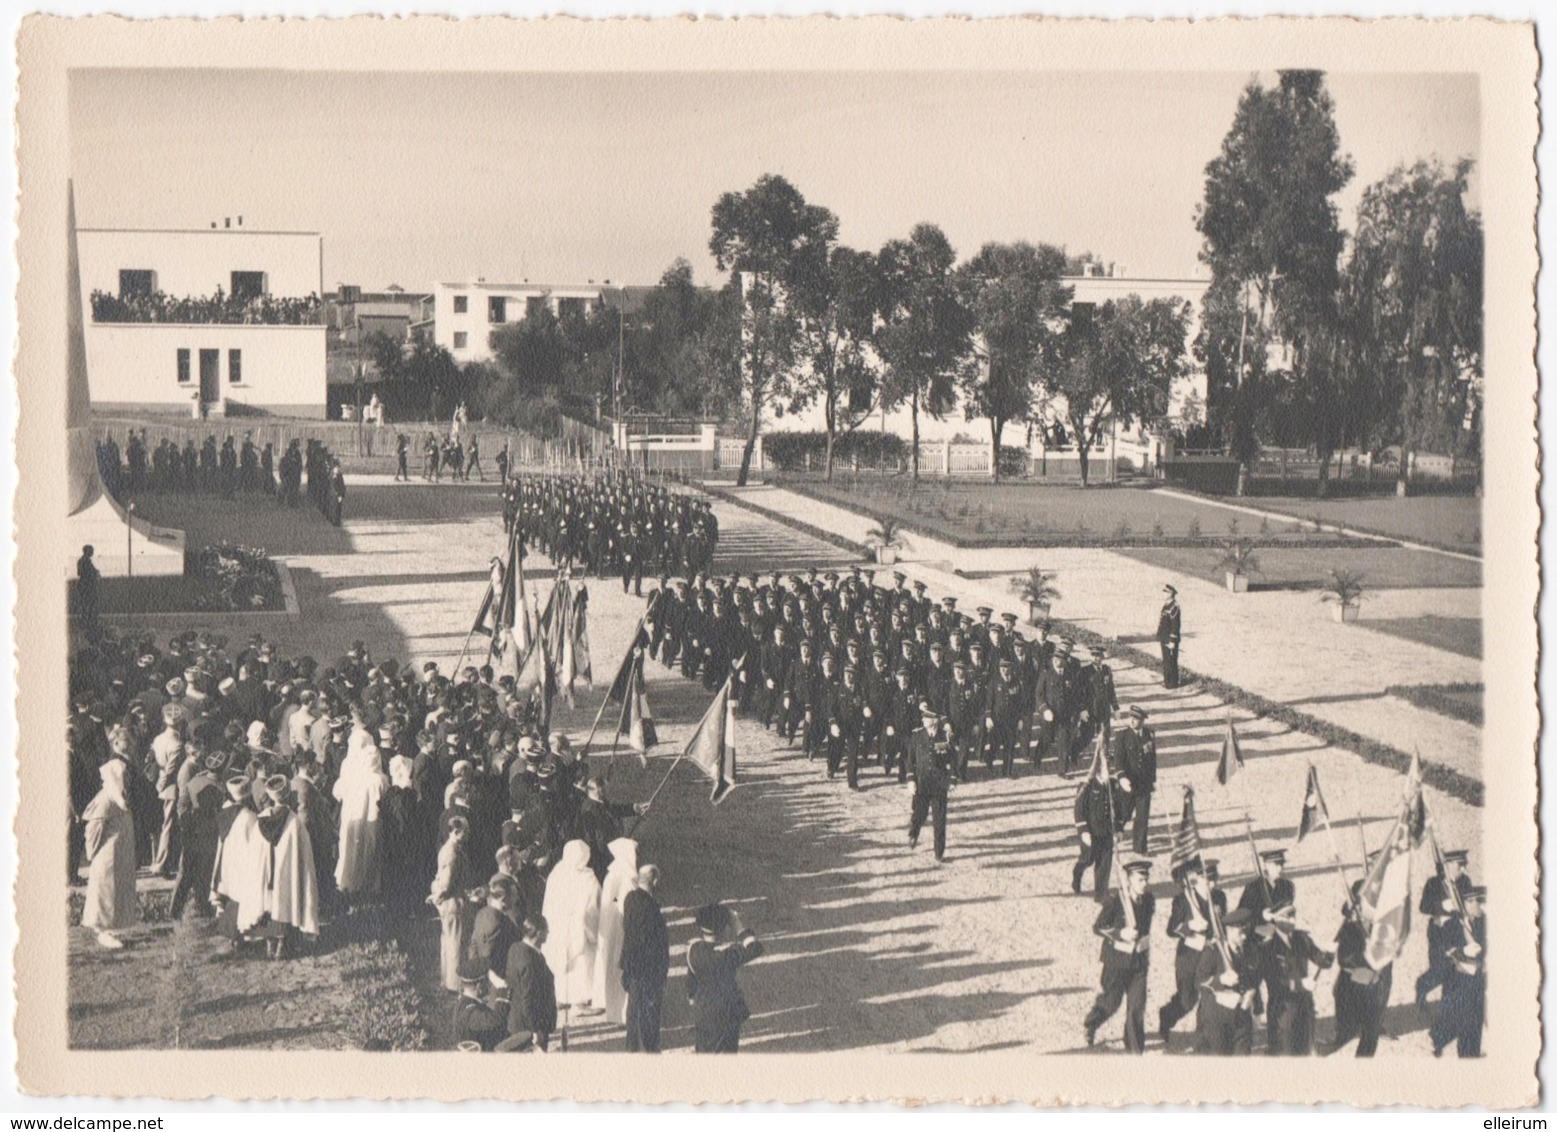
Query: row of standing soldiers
<point>843,665</point>
<point>228,470</point>
<point>613,525</point>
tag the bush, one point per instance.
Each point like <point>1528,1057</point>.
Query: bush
<point>787,451</point>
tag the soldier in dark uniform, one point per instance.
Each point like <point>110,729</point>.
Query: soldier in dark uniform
<point>902,716</point>
<point>402,457</point>
<point>965,714</point>
<point>773,661</point>
<point>1138,773</point>
<point>1439,906</point>
<point>1291,963</point>
<point>1361,992</point>
<point>1102,699</point>
<point>1224,1020</point>
<point>1124,924</point>
<point>823,679</point>
<point>1464,1011</point>
<point>1095,828</point>
<point>501,460</point>
<point>229,468</point>
<point>1170,625</point>
<point>1007,704</point>
<point>1053,704</point>
<point>845,723</point>
<point>718,1006</point>
<point>1189,920</point>
<point>474,1020</point>
<point>929,757</point>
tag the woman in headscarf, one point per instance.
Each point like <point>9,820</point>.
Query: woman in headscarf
<point>359,791</point>
<point>110,850</point>
<point>619,881</point>
<point>572,913</point>
<point>291,891</point>
<point>402,838</point>
<point>238,877</point>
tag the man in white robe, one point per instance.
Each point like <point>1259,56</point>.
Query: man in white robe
<point>620,878</point>
<point>572,913</point>
<point>360,787</point>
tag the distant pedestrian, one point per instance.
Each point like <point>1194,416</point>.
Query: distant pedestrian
<point>1170,624</point>
<point>86,589</point>
<point>473,459</point>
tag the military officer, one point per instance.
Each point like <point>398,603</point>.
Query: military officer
<point>1228,978</point>
<point>1170,626</point>
<point>1464,1011</point>
<point>1190,921</point>
<point>1124,925</point>
<point>929,755</point>
<point>1291,962</point>
<point>1138,773</point>
<point>1440,906</point>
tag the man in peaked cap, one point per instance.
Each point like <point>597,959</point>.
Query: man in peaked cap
<point>1124,925</point>
<point>1440,906</point>
<point>1228,983</point>
<point>1137,750</point>
<point>1170,628</point>
<point>1190,922</point>
<point>1464,1011</point>
<point>930,762</point>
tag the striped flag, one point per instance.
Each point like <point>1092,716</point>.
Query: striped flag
<point>1314,808</point>
<point>583,667</point>
<point>1186,838</point>
<point>1386,896</point>
<point>712,746</point>
<point>1231,761</point>
<point>637,721</point>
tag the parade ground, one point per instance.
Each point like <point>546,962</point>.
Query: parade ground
<point>870,945</point>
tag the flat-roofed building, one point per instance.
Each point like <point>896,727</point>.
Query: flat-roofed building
<point>466,314</point>
<point>216,320</point>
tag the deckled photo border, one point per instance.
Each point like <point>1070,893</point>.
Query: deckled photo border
<point>1504,58</point>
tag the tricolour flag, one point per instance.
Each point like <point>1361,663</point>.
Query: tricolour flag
<point>637,721</point>
<point>1314,808</point>
<point>1186,838</point>
<point>1386,896</point>
<point>583,667</point>
<point>1416,803</point>
<point>712,746</point>
<point>1231,761</point>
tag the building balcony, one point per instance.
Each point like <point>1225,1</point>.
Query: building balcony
<point>214,310</point>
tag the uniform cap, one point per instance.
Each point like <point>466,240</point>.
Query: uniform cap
<point>1460,855</point>
<point>985,611</point>
<point>1137,711</point>
<point>1137,865</point>
<point>1476,892</point>
<point>1275,856</point>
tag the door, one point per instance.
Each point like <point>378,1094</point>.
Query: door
<point>210,376</point>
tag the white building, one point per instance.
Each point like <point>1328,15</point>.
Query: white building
<point>466,314</point>
<point>224,318</point>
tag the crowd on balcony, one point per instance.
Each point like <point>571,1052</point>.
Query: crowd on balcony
<point>220,308</point>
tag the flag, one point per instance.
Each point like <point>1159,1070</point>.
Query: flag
<point>581,661</point>
<point>1186,838</point>
<point>712,746</point>
<point>1314,808</point>
<point>1416,803</point>
<point>1386,896</point>
<point>540,676</point>
<point>637,721</point>
<point>1231,761</point>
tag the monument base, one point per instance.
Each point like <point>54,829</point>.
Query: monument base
<point>120,545</point>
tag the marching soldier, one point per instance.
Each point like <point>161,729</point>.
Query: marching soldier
<point>964,712</point>
<point>1464,1011</point>
<point>1291,964</point>
<point>902,716</point>
<point>1053,696</point>
<point>1003,717</point>
<point>845,719</point>
<point>1228,978</point>
<point>1190,920</point>
<point>1138,773</point>
<point>1440,906</point>
<point>929,754</point>
<point>1124,924</point>
<point>1361,992</point>
<point>1095,827</point>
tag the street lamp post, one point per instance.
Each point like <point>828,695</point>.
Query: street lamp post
<point>129,539</point>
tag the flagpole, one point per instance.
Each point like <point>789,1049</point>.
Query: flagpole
<point>1248,826</point>
<point>1335,858</point>
<point>1113,821</point>
<point>650,801</point>
<point>648,609</point>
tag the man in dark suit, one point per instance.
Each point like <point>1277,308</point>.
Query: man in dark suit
<point>1138,773</point>
<point>1170,624</point>
<point>718,1007</point>
<point>1440,906</point>
<point>532,1003</point>
<point>474,1020</point>
<point>645,961</point>
<point>929,760</point>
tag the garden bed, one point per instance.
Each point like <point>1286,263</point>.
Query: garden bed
<point>1305,565</point>
<point>980,515</point>
<point>1457,701</point>
<point>223,579</point>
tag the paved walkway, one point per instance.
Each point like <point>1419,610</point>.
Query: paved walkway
<point>1281,645</point>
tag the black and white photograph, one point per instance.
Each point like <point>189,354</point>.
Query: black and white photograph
<point>958,559</point>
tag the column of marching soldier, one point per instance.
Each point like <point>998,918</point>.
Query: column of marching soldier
<point>862,675</point>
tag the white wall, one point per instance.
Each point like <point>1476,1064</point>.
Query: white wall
<point>135,365</point>
<point>473,322</point>
<point>189,263</point>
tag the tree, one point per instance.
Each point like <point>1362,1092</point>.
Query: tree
<point>837,309</point>
<point>1118,362</point>
<point>432,369</point>
<point>771,238</point>
<point>1019,302</point>
<point>924,336</point>
<point>1272,240</point>
<point>1417,267</point>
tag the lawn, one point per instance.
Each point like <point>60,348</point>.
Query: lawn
<point>980,513</point>
<point>1455,634</point>
<point>1457,701</point>
<point>1449,521</point>
<point>1385,568</point>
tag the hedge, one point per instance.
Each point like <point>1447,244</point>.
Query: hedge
<point>1441,698</point>
<point>787,451</point>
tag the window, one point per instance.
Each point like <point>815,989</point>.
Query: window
<point>184,373</point>
<point>461,304</point>
<point>534,305</point>
<point>497,309</point>
<point>136,281</point>
<point>248,285</point>
<point>460,339</point>
<point>235,366</point>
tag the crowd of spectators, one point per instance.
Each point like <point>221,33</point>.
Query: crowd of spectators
<point>220,308</point>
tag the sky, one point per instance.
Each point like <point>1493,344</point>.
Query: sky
<point>419,178</point>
